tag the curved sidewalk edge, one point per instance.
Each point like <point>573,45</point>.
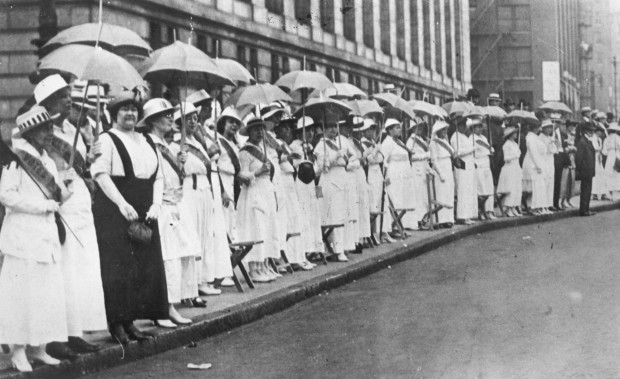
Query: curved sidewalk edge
<point>218,322</point>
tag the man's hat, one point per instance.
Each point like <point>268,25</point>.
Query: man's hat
<point>154,107</point>
<point>494,96</point>
<point>49,86</point>
<point>36,116</point>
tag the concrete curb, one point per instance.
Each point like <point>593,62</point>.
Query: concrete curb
<point>255,309</point>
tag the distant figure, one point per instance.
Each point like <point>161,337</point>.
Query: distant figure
<point>509,105</point>
<point>473,96</point>
<point>585,162</point>
<point>494,100</point>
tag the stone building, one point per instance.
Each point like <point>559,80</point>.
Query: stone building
<point>421,45</point>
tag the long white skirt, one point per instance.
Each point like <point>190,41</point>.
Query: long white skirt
<point>81,265</point>
<point>511,182</point>
<point>294,247</point>
<point>222,267</point>
<point>311,236</point>
<point>257,219</point>
<point>444,191</point>
<point>466,194</point>
<point>334,206</point>
<point>363,224</point>
<point>375,181</point>
<point>181,279</point>
<point>351,227</point>
<point>537,186</point>
<point>484,183</point>
<point>230,214</point>
<point>613,176</point>
<point>419,193</point>
<point>599,182</point>
<point>400,189</point>
<point>32,295</point>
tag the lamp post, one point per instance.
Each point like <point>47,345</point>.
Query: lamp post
<point>614,62</point>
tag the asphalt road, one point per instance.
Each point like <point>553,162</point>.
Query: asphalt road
<point>536,301</point>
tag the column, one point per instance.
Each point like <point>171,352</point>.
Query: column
<point>466,44</point>
<point>338,24</point>
<point>393,41</point>
<point>290,23</point>
<point>376,9</point>
<point>317,30</point>
<point>420,34</point>
<point>359,28</point>
<point>406,15</point>
<point>259,10</point>
<point>442,28</point>
<point>431,16</point>
<point>452,37</point>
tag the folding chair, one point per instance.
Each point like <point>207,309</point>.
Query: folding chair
<point>239,251</point>
<point>327,230</point>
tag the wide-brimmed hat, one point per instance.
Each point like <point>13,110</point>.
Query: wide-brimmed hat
<point>290,122</point>
<point>155,107</point>
<point>188,108</point>
<point>34,117</point>
<point>586,109</point>
<point>198,98</point>
<point>229,112</point>
<point>368,123</point>
<point>49,86</point>
<point>391,122</point>
<point>269,112</point>
<point>494,96</point>
<point>509,131</point>
<point>85,95</point>
<point>251,123</point>
<point>439,126</point>
<point>308,121</point>
<point>546,123</point>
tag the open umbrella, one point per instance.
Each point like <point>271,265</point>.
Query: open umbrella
<point>341,91</point>
<point>364,107</point>
<point>235,70</point>
<point>525,117</point>
<point>390,100</point>
<point>457,108</point>
<point>302,79</point>
<point>256,94</point>
<point>556,106</point>
<point>318,107</point>
<point>113,38</point>
<point>422,107</point>
<point>494,112</point>
<point>91,63</point>
<point>180,64</point>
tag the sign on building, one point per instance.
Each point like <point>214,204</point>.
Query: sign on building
<point>551,80</point>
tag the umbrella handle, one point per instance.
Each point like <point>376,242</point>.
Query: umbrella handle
<point>98,120</point>
<point>77,127</point>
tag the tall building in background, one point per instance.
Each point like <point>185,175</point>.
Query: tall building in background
<point>419,45</point>
<point>517,45</point>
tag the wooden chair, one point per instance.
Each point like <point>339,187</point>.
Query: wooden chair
<point>239,251</point>
<point>287,264</point>
<point>397,217</point>
<point>327,230</point>
<point>499,199</point>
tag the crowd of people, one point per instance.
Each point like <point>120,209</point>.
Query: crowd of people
<point>130,223</point>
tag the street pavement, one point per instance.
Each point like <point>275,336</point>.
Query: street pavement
<point>537,301</point>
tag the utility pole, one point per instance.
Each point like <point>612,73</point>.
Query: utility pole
<point>614,62</point>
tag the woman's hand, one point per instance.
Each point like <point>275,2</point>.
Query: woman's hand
<point>153,212</point>
<point>265,169</point>
<point>69,176</point>
<point>95,151</point>
<point>128,212</point>
<point>182,157</point>
<point>227,200</point>
<point>52,206</point>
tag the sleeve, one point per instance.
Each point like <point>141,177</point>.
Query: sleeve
<point>103,163</point>
<point>354,161</point>
<point>386,149</point>
<point>13,198</point>
<point>245,161</point>
<point>321,159</point>
<point>158,185</point>
<point>535,154</point>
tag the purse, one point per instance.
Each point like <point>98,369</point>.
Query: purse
<point>139,232</point>
<point>458,163</point>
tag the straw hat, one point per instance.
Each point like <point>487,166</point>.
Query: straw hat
<point>439,126</point>
<point>155,107</point>
<point>509,130</point>
<point>307,120</point>
<point>390,122</point>
<point>229,112</point>
<point>494,96</point>
<point>188,108</point>
<point>546,123</point>
<point>198,98</point>
<point>368,123</point>
<point>250,123</point>
<point>49,86</point>
<point>36,116</point>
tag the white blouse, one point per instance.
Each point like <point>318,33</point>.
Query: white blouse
<point>143,158</point>
<point>172,189</point>
<point>372,154</point>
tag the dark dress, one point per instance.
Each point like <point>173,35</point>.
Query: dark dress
<point>133,276</point>
<point>585,162</point>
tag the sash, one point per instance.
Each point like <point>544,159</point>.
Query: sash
<point>332,145</point>
<point>445,145</point>
<point>287,150</point>
<point>272,143</point>
<point>258,154</point>
<point>198,154</point>
<point>63,149</point>
<point>165,152</point>
<point>422,144</point>
<point>231,153</point>
<point>482,143</point>
<point>401,144</point>
<point>358,145</point>
<point>40,174</point>
<point>368,144</point>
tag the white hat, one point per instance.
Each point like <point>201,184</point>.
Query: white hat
<point>198,98</point>
<point>86,95</point>
<point>391,122</point>
<point>368,123</point>
<point>188,108</point>
<point>251,122</point>
<point>307,120</point>
<point>155,107</point>
<point>230,112</point>
<point>546,122</point>
<point>49,86</point>
<point>439,125</point>
<point>37,115</point>
<point>613,127</point>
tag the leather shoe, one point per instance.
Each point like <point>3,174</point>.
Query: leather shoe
<point>60,350</point>
<point>135,334</point>
<point>79,345</point>
<point>118,333</point>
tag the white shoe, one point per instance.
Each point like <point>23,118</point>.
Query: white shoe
<point>19,361</point>
<point>208,290</point>
<point>165,324</point>
<point>227,282</point>
<point>39,355</point>
<point>342,258</point>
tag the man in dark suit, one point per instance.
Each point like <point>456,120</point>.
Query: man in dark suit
<point>585,162</point>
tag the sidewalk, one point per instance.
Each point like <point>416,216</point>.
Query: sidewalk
<point>232,308</point>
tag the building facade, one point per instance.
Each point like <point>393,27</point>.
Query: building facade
<point>419,45</point>
<point>510,40</point>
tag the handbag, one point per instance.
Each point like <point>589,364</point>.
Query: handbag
<point>139,232</point>
<point>458,163</point>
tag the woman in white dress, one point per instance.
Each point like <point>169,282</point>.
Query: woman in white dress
<point>441,158</point>
<point>419,165</point>
<point>548,137</point>
<point>599,182</point>
<point>256,210</point>
<point>533,174</point>
<point>332,162</point>
<point>397,165</point>
<point>567,182</point>
<point>32,294</point>
<point>511,176</point>
<point>484,177</point>
<point>357,193</point>
<point>311,235</point>
<point>178,241</point>
<point>374,161</point>
<point>611,148</point>
<point>465,178</point>
<point>80,264</point>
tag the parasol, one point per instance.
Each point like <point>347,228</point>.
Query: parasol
<point>235,70</point>
<point>556,106</point>
<point>341,91</point>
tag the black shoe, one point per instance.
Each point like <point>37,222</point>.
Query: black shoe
<point>79,345</point>
<point>118,333</point>
<point>446,225</point>
<point>60,350</point>
<point>554,209</point>
<point>6,349</point>
<point>197,302</point>
<point>135,334</point>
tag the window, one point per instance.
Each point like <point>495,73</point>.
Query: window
<point>171,34</point>
<point>384,21</point>
<point>515,62</point>
<point>253,62</point>
<point>241,58</point>
<point>513,18</point>
<point>448,39</point>
<point>348,19</point>
<point>311,66</point>
<point>400,29</point>
<point>275,6</point>
<point>427,33</point>
<point>302,12</point>
<point>285,65</point>
<point>438,47</point>
<point>415,47</point>
<point>369,26</point>
<point>155,39</point>
<point>327,15</point>
<point>275,67</point>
